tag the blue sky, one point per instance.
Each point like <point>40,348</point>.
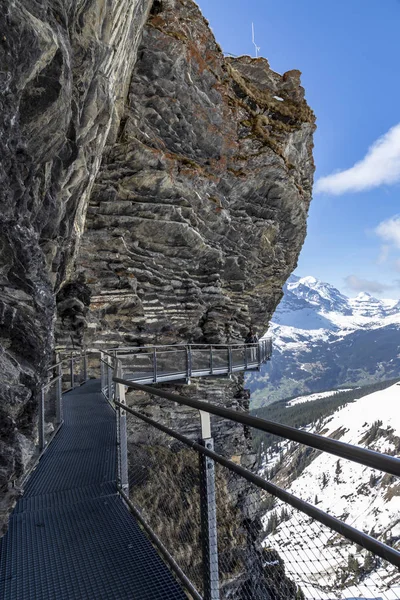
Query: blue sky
<point>348,53</point>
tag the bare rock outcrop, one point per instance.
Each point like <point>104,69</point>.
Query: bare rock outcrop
<point>157,190</point>
<point>195,221</point>
<point>64,69</point>
<point>199,210</point>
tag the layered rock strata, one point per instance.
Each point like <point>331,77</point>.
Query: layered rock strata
<point>199,211</point>
<point>64,69</point>
<point>195,221</point>
<point>196,216</point>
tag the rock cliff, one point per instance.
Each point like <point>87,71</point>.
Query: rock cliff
<point>195,221</point>
<point>64,68</point>
<point>195,217</point>
<point>198,213</point>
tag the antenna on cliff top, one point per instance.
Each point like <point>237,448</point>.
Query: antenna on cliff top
<point>253,40</point>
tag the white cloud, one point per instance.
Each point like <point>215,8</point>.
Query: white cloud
<point>383,254</point>
<point>389,231</point>
<point>364,285</point>
<point>381,165</point>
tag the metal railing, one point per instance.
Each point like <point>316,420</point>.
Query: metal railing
<point>189,506</point>
<point>157,364</point>
<point>63,375</point>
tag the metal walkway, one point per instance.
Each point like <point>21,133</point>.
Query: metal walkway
<point>70,536</point>
<point>158,364</point>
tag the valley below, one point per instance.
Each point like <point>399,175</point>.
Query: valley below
<point>323,340</point>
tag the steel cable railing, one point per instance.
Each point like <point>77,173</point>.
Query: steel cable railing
<point>255,555</point>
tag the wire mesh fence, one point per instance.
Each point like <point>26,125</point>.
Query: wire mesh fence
<point>151,364</point>
<point>164,487</point>
<point>325,564</point>
<point>272,550</point>
<point>51,415</point>
<point>266,548</point>
<point>170,362</point>
<point>233,539</point>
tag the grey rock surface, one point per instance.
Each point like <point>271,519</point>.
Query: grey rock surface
<point>195,221</point>
<point>199,210</point>
<point>155,189</point>
<point>64,68</point>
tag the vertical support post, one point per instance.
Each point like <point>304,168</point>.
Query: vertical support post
<point>208,512</point>
<point>211,360</point>
<point>245,356</point>
<point>154,365</point>
<point>109,378</point>
<point>59,415</point>
<point>188,364</point>
<point>258,349</point>
<point>85,366</point>
<point>122,439</point>
<point>42,442</point>
<point>102,382</point>
<point>71,371</point>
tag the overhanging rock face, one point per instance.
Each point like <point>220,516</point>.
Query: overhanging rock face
<point>196,216</point>
<point>199,211</point>
<point>196,220</point>
<point>65,66</point>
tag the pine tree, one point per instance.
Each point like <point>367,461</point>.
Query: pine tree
<point>272,524</point>
<point>369,562</point>
<point>338,470</point>
<point>353,565</point>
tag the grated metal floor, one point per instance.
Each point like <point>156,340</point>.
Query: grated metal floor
<point>70,536</point>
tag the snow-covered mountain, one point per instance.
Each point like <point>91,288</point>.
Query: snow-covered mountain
<point>322,339</point>
<point>324,564</point>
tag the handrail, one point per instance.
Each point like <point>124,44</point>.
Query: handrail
<point>60,362</point>
<point>183,346</point>
<point>358,537</point>
<point>368,458</point>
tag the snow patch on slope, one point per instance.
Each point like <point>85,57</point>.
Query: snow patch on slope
<point>313,397</point>
<point>320,561</point>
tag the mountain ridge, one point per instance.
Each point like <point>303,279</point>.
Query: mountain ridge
<point>323,340</point>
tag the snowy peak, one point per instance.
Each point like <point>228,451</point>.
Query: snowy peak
<point>320,302</point>
<point>364,297</point>
<point>323,340</point>
<point>319,294</point>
